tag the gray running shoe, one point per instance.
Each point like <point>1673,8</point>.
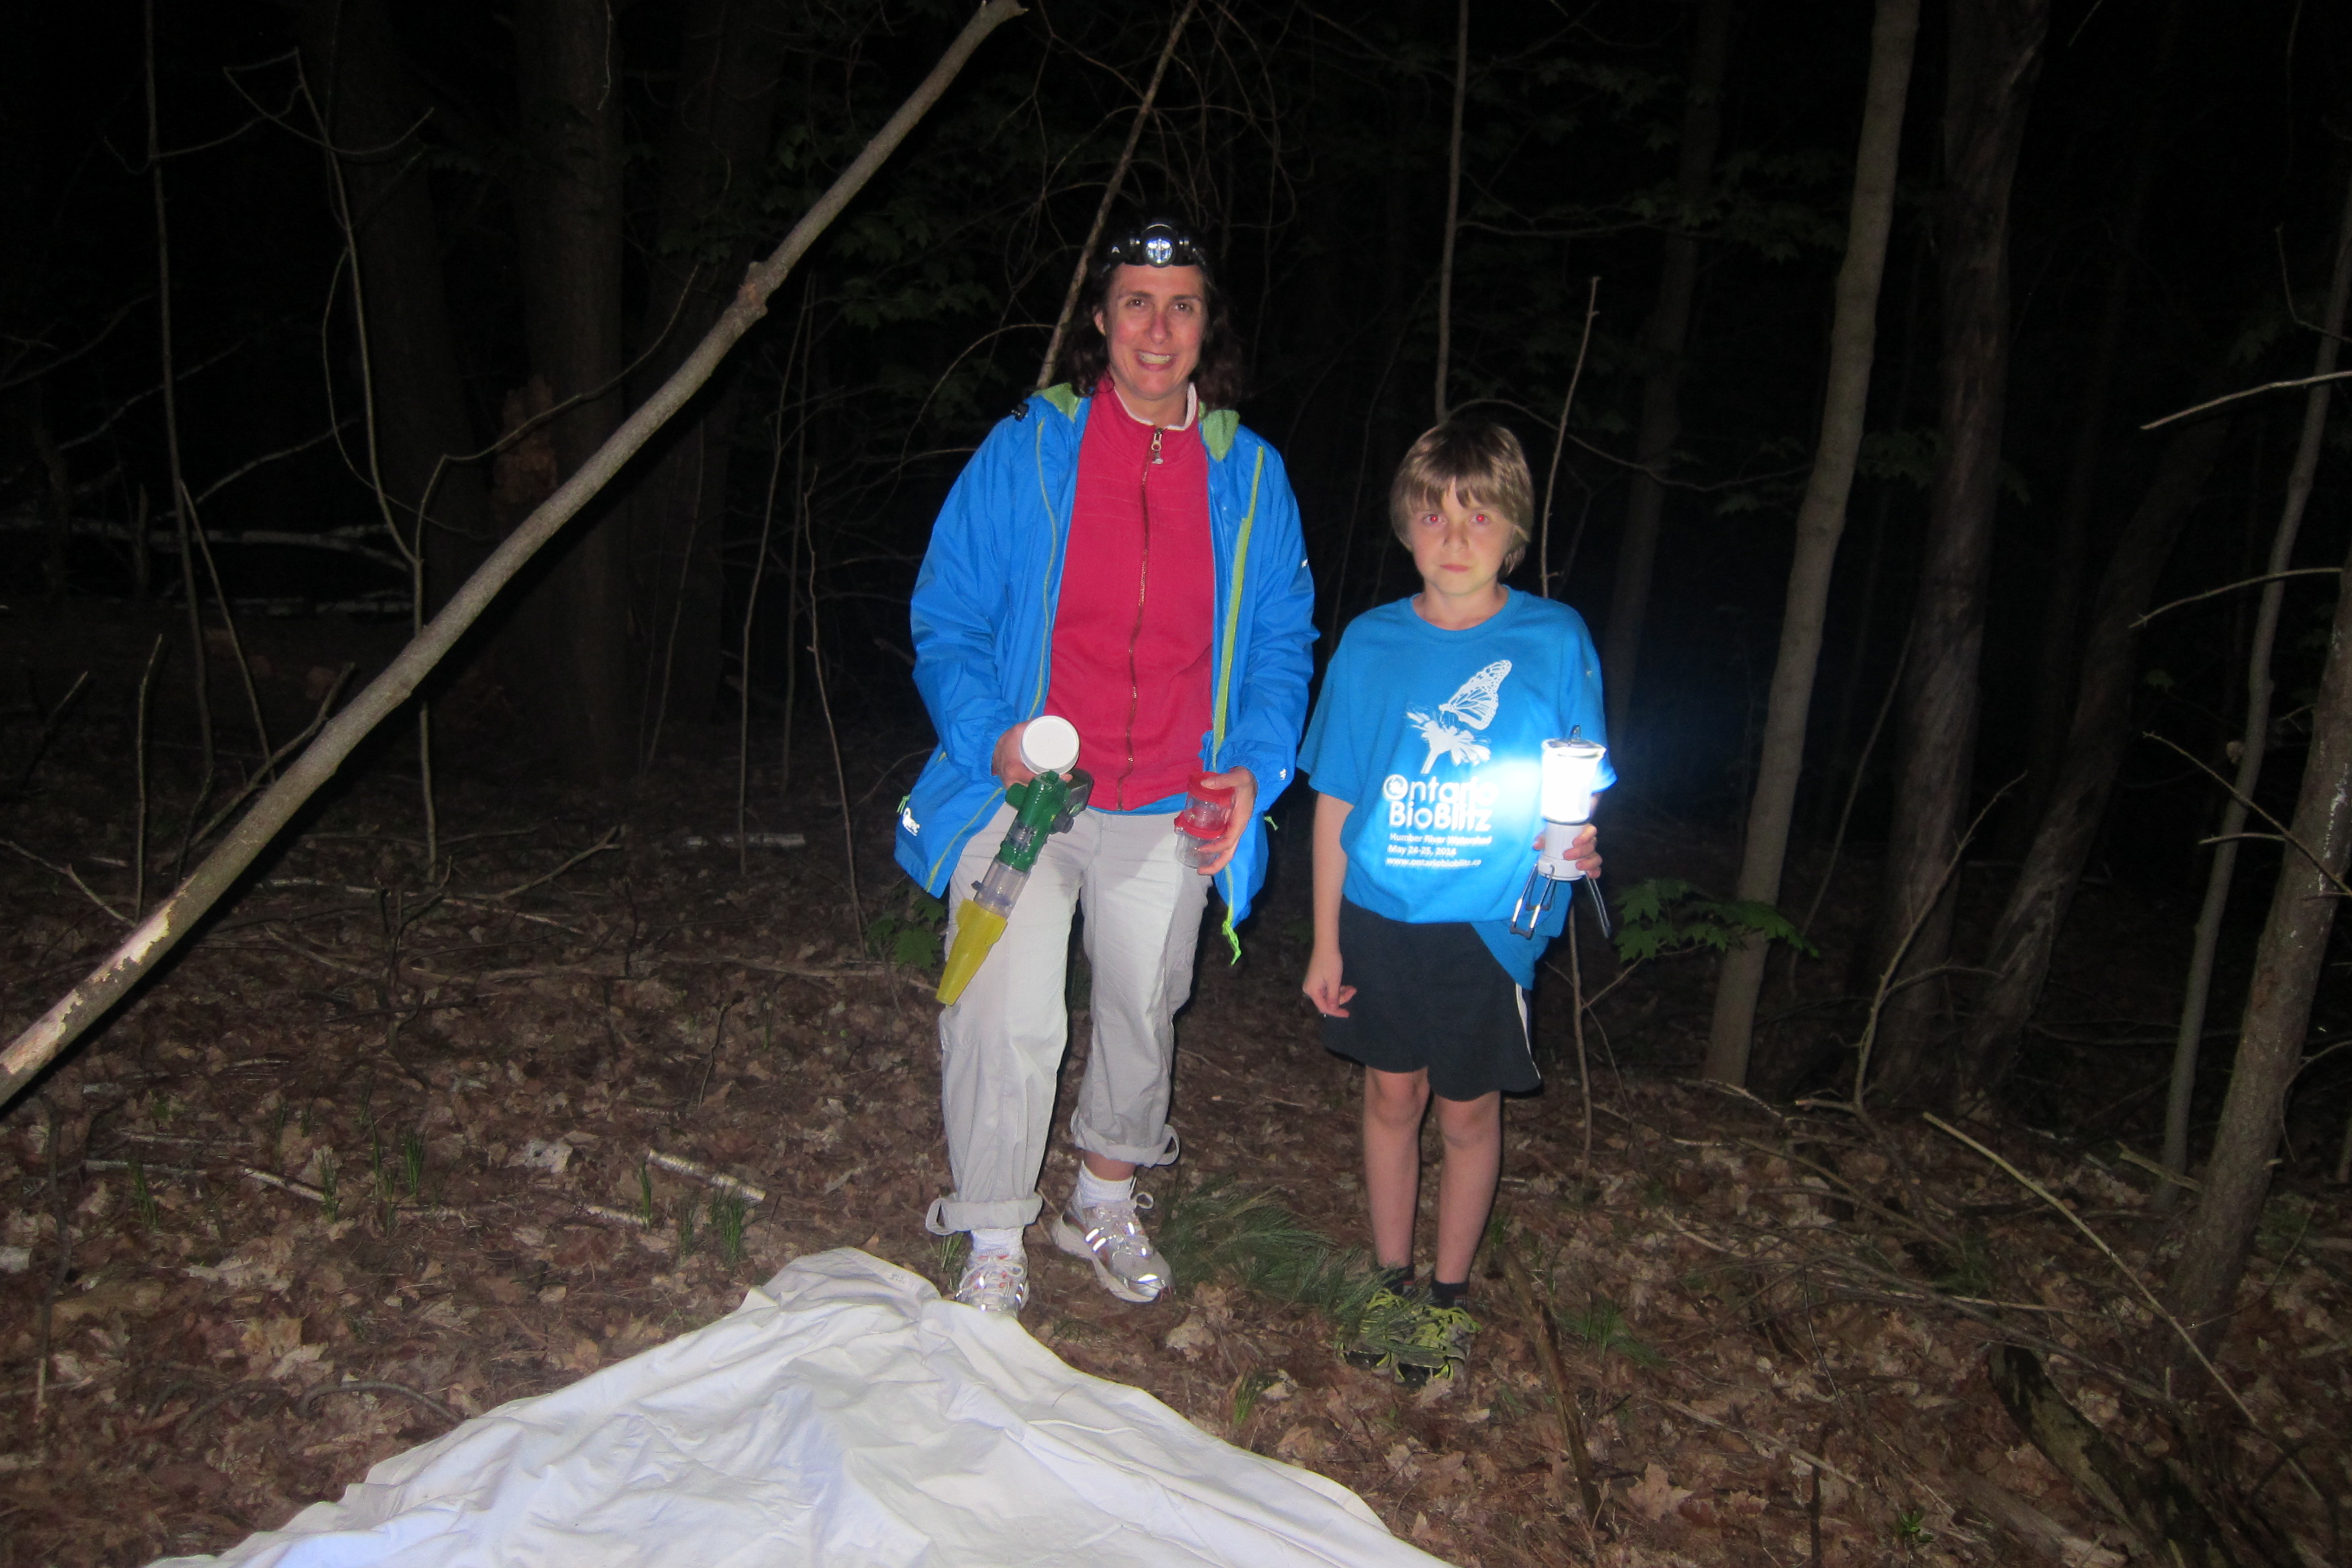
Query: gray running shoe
<point>1112,1238</point>
<point>995,1282</point>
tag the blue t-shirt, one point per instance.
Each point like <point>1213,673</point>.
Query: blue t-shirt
<point>1434,738</point>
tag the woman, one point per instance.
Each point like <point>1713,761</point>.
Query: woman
<point>1122,554</point>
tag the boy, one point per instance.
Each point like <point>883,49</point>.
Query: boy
<point>1425,751</point>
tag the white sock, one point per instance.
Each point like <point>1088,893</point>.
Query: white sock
<point>994,1242</point>
<point>1094,1189</point>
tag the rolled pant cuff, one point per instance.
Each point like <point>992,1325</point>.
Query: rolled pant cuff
<point>949,1216</point>
<point>1162,1151</point>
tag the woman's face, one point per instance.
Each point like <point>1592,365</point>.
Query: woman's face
<point>1152,319</point>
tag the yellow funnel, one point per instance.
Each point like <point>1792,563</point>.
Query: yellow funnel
<point>977,929</point>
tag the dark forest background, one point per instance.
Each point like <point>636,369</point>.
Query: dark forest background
<point>408,265</point>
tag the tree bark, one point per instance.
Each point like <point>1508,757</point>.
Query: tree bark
<point>2097,736</point>
<point>2070,555</point>
<point>728,81</point>
<point>1854,332</point>
<point>2254,739</point>
<point>1663,342</point>
<point>372,113</point>
<point>1994,55</point>
<point>2287,965</point>
<point>576,670</point>
<point>96,995</point>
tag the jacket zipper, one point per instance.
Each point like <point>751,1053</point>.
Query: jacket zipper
<point>1135,637</point>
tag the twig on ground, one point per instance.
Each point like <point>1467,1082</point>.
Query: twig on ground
<point>696,1171</point>
<point>1545,1336</point>
<point>307,1406</point>
<point>249,1387</point>
<point>610,841</point>
<point>1764,1445</point>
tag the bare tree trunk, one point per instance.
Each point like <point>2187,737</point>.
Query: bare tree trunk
<point>729,82</point>
<point>1854,333</point>
<point>2095,739</point>
<point>351,61</point>
<point>184,523</point>
<point>2048,738</point>
<point>1453,210</point>
<point>2255,739</point>
<point>96,995</point>
<point>567,204</point>
<point>2287,965</point>
<point>1663,342</point>
<point>1994,55</point>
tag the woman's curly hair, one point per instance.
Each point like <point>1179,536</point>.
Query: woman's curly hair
<point>1220,378</point>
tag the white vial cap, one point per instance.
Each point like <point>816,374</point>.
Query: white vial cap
<point>1049,745</point>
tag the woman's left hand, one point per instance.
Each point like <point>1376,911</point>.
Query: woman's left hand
<point>1584,849</point>
<point>1243,784</point>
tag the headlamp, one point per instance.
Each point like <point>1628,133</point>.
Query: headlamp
<point>1156,243</point>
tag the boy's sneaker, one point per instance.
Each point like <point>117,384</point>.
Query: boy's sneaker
<point>1404,1334</point>
<point>995,1282</point>
<point>1112,1238</point>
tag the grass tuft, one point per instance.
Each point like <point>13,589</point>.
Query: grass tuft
<point>1218,1230</point>
<point>728,1212</point>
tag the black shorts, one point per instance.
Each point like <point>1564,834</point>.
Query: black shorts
<point>1431,996</point>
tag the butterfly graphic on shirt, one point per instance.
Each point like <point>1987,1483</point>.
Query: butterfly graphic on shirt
<point>1474,705</point>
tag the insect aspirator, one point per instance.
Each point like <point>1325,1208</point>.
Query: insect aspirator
<point>1571,777</point>
<point>1042,807</point>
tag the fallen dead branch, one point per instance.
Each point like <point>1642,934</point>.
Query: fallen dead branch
<point>309,1194</point>
<point>2171,1524</point>
<point>1546,1339</point>
<point>173,919</point>
<point>696,1171</point>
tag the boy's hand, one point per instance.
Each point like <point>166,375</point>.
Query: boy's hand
<point>1322,985</point>
<point>1583,850</point>
<point>1007,763</point>
<point>1220,849</point>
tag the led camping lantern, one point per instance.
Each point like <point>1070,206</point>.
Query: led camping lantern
<point>1571,777</point>
<point>1042,807</point>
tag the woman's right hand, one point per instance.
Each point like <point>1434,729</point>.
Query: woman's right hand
<point>1322,985</point>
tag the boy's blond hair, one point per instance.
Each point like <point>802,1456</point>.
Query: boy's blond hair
<point>1483,461</point>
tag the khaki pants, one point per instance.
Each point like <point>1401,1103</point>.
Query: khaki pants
<point>1001,1045</point>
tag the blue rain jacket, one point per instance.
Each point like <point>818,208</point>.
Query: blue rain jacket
<point>983,624</point>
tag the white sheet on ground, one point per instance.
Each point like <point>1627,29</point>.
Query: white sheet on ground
<point>844,1414</point>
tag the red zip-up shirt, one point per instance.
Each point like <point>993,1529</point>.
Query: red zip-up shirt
<point>1133,630</point>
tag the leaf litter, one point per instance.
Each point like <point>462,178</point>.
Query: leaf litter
<point>495,1143</point>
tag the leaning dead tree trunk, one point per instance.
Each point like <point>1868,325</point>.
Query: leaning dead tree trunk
<point>2287,965</point>
<point>1820,520</point>
<point>1995,55</point>
<point>2096,735</point>
<point>2254,740</point>
<point>1664,342</point>
<point>175,916</point>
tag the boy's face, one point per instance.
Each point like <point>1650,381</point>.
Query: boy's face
<point>1459,550</point>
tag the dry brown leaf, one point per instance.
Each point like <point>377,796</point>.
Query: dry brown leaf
<point>1654,1496</point>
